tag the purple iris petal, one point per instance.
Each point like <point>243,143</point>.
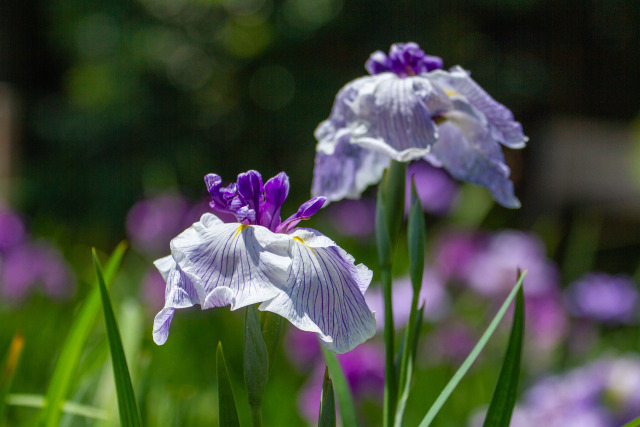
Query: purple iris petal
<point>405,59</point>
<point>409,108</point>
<point>251,189</point>
<point>276,191</point>
<point>261,260</point>
<point>436,189</point>
<point>305,211</point>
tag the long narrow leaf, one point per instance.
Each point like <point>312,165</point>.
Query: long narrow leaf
<point>416,239</point>
<point>342,390</point>
<point>504,396</point>
<point>127,405</point>
<point>10,366</point>
<point>633,423</point>
<point>327,415</point>
<point>448,389</point>
<point>68,407</point>
<point>67,363</point>
<point>227,410</point>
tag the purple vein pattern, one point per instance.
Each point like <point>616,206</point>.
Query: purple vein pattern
<point>409,108</point>
<point>297,273</point>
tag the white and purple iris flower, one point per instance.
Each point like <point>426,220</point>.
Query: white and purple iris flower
<point>410,108</point>
<point>297,273</point>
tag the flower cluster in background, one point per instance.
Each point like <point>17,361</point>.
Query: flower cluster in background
<point>28,264</point>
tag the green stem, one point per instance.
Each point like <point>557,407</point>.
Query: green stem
<point>256,415</point>
<point>390,382</point>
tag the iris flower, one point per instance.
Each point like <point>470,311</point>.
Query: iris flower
<point>297,273</point>
<point>410,108</point>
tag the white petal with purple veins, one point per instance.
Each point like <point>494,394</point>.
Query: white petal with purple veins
<point>501,123</point>
<point>324,293</point>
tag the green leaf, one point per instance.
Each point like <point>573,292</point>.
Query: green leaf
<point>408,356</point>
<point>69,358</point>
<point>633,423</point>
<point>448,389</point>
<point>68,407</point>
<point>10,366</point>
<point>504,395</point>
<point>342,390</point>
<point>383,238</point>
<point>272,328</point>
<point>227,410</point>
<point>127,405</point>
<point>416,238</point>
<point>327,416</point>
<point>256,362</point>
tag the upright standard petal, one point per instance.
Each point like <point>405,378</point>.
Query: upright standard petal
<point>324,293</point>
<point>214,264</point>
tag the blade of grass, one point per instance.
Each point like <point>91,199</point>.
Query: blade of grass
<point>68,407</point>
<point>256,363</point>
<point>10,366</point>
<point>633,423</point>
<point>327,416</point>
<point>227,410</point>
<point>67,363</point>
<point>342,390</point>
<point>272,329</point>
<point>127,405</point>
<point>504,395</point>
<point>448,389</point>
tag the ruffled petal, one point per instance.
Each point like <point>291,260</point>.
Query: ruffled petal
<point>324,293</point>
<point>469,153</point>
<point>214,264</point>
<point>384,113</point>
<point>346,171</point>
<point>503,127</point>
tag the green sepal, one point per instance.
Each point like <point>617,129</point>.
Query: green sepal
<point>127,404</point>
<point>327,415</point>
<point>464,368</point>
<point>272,329</point>
<point>504,395</point>
<point>227,410</point>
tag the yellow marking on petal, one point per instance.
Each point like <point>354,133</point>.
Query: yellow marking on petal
<point>242,227</point>
<point>299,240</point>
<point>451,93</point>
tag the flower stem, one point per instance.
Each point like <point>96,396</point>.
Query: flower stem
<point>390,383</point>
<point>256,415</point>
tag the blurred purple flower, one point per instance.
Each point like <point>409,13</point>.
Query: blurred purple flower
<point>450,342</point>
<point>435,187</point>
<point>493,271</point>
<point>409,108</point>
<point>152,290</point>
<point>153,222</point>
<point>432,294</point>
<point>36,264</point>
<point>363,368</point>
<point>604,298</point>
<point>455,251</point>
<point>353,217</point>
<point>12,230</point>
<point>546,320</point>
